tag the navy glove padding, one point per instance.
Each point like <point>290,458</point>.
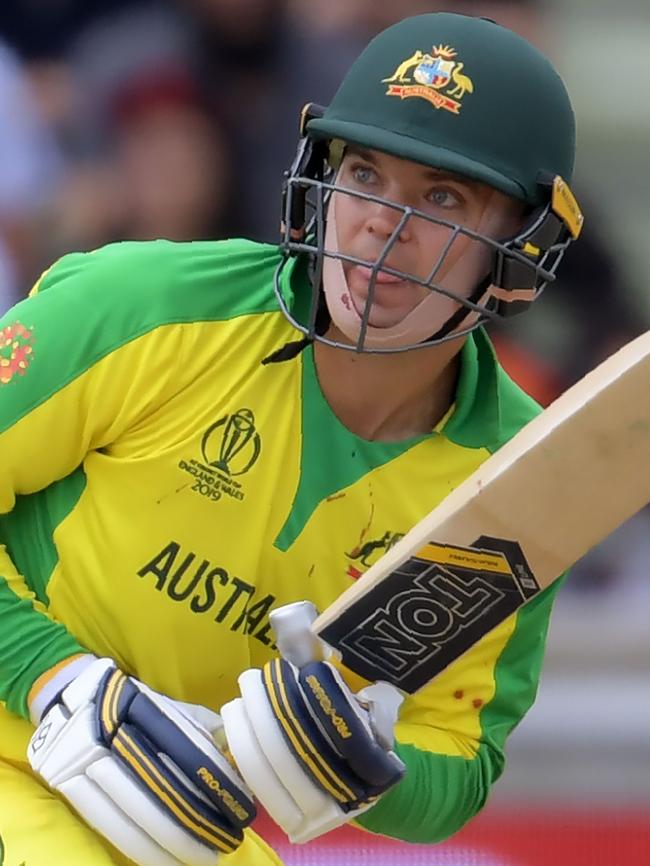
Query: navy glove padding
<point>329,732</point>
<point>144,737</point>
<point>145,771</point>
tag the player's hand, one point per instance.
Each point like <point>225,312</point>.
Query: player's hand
<point>141,769</point>
<point>314,754</point>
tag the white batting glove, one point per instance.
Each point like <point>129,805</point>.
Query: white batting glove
<point>141,769</point>
<point>314,754</point>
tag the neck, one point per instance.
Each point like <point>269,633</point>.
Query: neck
<point>388,397</point>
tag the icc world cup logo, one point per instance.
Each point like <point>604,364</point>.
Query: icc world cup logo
<point>232,443</point>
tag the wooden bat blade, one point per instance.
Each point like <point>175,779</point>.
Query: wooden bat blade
<point>560,486</point>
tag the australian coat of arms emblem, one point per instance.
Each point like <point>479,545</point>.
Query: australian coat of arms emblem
<point>435,76</point>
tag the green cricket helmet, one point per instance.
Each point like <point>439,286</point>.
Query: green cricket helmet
<point>456,93</point>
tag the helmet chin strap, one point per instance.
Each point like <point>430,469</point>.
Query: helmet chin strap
<point>460,273</point>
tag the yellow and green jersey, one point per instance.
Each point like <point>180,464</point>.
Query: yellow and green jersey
<point>161,490</point>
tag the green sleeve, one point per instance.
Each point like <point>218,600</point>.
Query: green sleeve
<point>30,642</point>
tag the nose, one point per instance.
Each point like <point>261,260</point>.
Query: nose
<point>384,220</point>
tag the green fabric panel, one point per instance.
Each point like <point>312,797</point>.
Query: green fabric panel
<point>104,299</point>
<point>439,794</point>
<point>30,644</point>
<point>28,530</point>
<point>471,416</point>
<point>518,669</point>
<point>491,408</point>
<point>517,408</point>
<point>332,457</point>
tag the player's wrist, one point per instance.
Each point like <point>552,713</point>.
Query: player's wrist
<point>48,686</point>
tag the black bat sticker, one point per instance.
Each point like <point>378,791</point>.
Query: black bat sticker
<point>430,610</point>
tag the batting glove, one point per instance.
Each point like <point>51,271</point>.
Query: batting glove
<point>141,769</point>
<point>314,754</point>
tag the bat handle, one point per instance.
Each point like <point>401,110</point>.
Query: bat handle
<point>293,635</point>
<point>299,645</point>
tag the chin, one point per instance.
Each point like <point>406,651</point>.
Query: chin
<point>382,315</point>
<point>382,319</point>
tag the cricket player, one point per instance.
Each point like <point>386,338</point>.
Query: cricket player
<point>194,435</point>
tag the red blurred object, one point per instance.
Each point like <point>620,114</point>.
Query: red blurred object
<point>497,837</point>
<point>168,87</point>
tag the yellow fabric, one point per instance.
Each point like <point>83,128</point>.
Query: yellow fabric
<point>446,718</point>
<point>37,828</point>
<point>147,530</point>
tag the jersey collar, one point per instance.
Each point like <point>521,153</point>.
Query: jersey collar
<point>475,419</point>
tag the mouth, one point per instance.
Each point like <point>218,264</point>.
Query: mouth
<point>382,278</point>
<point>389,292</point>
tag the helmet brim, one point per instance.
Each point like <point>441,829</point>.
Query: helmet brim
<point>402,146</point>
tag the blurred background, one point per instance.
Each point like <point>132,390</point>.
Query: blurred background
<point>176,118</point>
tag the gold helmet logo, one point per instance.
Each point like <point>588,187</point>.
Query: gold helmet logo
<point>436,77</point>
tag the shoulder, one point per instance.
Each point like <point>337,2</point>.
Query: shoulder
<point>164,282</point>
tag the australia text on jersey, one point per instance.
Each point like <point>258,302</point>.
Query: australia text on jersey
<point>209,589</point>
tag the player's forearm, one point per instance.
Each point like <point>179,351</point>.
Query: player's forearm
<point>30,642</point>
<point>438,795</point>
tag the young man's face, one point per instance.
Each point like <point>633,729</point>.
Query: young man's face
<point>363,227</point>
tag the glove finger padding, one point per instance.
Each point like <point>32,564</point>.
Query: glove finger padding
<point>310,782</point>
<point>345,724</point>
<point>281,783</point>
<point>188,776</point>
<point>141,770</point>
<point>271,781</point>
<point>325,725</point>
<point>304,738</point>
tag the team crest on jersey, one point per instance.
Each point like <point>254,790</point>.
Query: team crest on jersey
<point>229,448</point>
<point>436,77</point>
<point>16,351</point>
<point>366,553</point>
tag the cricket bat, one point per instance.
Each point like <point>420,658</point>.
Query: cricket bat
<point>561,485</point>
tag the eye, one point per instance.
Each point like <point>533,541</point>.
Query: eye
<point>363,174</point>
<point>444,198</point>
